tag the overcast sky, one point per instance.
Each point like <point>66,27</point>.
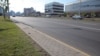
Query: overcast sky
<point>38,5</point>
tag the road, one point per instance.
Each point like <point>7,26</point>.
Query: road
<point>84,36</point>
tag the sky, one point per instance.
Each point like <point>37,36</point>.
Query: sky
<point>38,5</point>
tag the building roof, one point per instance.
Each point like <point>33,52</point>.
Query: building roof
<point>54,3</point>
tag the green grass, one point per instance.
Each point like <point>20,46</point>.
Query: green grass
<point>14,42</point>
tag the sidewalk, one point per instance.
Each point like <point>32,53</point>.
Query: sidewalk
<point>52,46</point>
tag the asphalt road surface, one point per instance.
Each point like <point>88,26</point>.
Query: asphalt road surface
<point>84,36</point>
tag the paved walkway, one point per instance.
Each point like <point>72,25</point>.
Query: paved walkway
<point>52,46</point>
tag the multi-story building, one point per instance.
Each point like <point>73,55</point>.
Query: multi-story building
<point>28,11</point>
<point>54,9</point>
<point>87,8</point>
<point>18,14</point>
<point>12,13</point>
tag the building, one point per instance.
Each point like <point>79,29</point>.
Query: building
<point>29,11</point>
<point>54,9</point>
<point>12,13</point>
<point>18,14</point>
<point>87,8</point>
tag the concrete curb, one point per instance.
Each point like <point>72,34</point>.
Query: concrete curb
<point>53,46</point>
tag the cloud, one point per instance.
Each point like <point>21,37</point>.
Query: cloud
<point>18,5</point>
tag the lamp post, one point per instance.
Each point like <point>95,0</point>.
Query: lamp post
<point>8,8</point>
<point>80,7</point>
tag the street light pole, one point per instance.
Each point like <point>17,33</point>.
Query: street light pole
<point>80,7</point>
<point>8,8</point>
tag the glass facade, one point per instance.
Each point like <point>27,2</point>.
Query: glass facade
<point>86,7</point>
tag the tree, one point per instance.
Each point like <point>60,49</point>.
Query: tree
<point>5,7</point>
<point>65,14</point>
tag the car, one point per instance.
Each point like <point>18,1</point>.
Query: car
<point>77,17</point>
<point>13,16</point>
<point>48,16</point>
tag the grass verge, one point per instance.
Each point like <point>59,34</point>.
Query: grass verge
<point>14,42</point>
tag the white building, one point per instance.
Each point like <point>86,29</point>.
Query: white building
<point>54,8</point>
<point>86,7</point>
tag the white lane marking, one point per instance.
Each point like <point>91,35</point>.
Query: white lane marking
<point>89,23</point>
<point>84,27</point>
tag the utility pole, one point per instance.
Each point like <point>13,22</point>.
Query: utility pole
<point>80,7</point>
<point>8,8</point>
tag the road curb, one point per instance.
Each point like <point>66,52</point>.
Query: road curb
<point>53,46</point>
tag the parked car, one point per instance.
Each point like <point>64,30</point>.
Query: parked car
<point>88,16</point>
<point>13,16</point>
<point>77,17</point>
<point>48,16</point>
